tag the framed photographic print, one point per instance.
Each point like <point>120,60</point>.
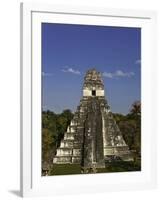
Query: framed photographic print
<point>87,99</point>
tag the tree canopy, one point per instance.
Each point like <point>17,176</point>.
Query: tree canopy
<point>53,129</point>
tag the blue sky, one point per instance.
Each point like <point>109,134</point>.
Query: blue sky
<point>69,50</point>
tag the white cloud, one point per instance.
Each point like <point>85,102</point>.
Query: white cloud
<point>108,75</point>
<point>71,70</point>
<point>124,74</point>
<point>138,62</point>
<point>118,73</point>
<point>46,74</point>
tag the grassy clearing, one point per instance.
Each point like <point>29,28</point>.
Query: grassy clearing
<point>120,166</point>
<point>64,169</point>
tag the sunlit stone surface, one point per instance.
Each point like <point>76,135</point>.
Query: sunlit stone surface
<point>93,135</point>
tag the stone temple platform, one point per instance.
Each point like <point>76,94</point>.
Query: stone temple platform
<point>93,135</point>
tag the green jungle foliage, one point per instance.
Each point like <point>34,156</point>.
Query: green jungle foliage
<point>130,126</point>
<point>53,129</point>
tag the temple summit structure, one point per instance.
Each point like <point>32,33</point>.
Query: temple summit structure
<point>93,135</point>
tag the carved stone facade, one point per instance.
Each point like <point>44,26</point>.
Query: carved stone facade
<point>93,135</point>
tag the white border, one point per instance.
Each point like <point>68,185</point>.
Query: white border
<point>32,15</point>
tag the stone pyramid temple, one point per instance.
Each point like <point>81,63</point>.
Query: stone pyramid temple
<point>93,135</point>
